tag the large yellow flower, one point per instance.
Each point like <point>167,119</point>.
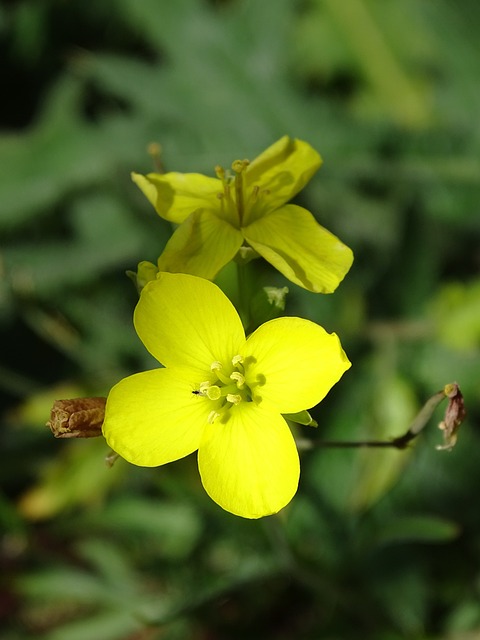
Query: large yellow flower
<point>248,207</point>
<point>221,393</point>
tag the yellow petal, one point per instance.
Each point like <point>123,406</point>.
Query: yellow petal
<point>281,171</point>
<point>153,417</point>
<point>298,361</point>
<point>249,465</point>
<point>187,321</point>
<point>294,243</point>
<point>202,245</point>
<point>176,195</point>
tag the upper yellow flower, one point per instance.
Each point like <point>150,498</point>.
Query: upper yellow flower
<point>221,393</point>
<point>219,215</point>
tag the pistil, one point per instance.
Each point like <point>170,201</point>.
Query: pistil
<point>239,167</point>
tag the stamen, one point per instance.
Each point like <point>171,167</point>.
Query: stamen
<point>239,378</point>
<point>212,416</point>
<point>214,392</point>
<point>259,381</point>
<point>254,193</point>
<point>220,172</point>
<point>230,388</point>
<point>216,367</point>
<point>239,167</point>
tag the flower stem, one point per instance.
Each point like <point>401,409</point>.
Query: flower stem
<point>244,294</point>
<point>454,415</point>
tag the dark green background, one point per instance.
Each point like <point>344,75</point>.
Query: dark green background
<point>376,545</point>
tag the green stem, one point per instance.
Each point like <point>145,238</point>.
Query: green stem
<point>244,294</point>
<point>454,415</point>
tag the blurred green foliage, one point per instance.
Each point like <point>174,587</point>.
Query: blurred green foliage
<point>381,545</point>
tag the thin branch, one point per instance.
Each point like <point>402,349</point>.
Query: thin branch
<point>454,416</point>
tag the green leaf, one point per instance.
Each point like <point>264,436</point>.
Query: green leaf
<point>422,528</point>
<point>59,153</point>
<point>173,528</point>
<point>107,625</point>
<point>455,311</point>
<point>377,470</point>
<point>105,236</point>
<point>79,475</point>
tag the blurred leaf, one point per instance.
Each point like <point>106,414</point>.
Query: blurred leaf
<point>423,528</point>
<point>382,408</point>
<point>174,529</point>
<point>78,476</point>
<point>463,619</point>
<point>409,586</point>
<point>104,235</point>
<point>376,471</point>
<point>437,363</point>
<point>29,29</point>
<point>65,584</point>
<point>353,35</point>
<point>456,313</point>
<point>35,410</point>
<point>109,562</point>
<point>108,625</point>
<point>60,153</point>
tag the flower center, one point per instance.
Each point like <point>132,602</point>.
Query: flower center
<point>228,390</point>
<point>236,200</point>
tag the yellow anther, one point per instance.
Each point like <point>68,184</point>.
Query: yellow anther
<point>238,359</point>
<point>240,165</point>
<point>234,398</point>
<point>216,366</point>
<point>214,392</point>
<point>239,378</point>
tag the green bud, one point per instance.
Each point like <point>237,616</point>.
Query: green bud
<point>146,271</point>
<point>268,303</point>
<point>302,417</point>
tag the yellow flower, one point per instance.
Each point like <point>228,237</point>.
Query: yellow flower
<point>221,393</point>
<point>219,215</point>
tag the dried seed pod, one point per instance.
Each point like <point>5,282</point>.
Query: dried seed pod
<point>454,415</point>
<point>77,418</point>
